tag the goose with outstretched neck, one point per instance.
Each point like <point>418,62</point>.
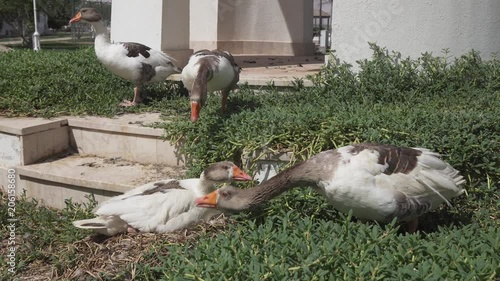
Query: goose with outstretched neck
<point>377,182</point>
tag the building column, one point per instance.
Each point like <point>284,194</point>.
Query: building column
<point>203,24</point>
<point>258,27</point>
<point>159,24</point>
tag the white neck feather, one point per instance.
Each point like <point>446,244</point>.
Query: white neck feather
<point>101,32</point>
<point>205,185</point>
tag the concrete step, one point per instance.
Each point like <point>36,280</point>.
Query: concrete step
<point>105,156</point>
<point>71,157</point>
<point>74,176</point>
<point>25,141</point>
<point>124,136</point>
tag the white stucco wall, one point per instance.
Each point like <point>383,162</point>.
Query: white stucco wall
<point>137,21</point>
<point>252,26</point>
<point>414,27</point>
<point>203,22</point>
<point>266,20</point>
<point>255,20</point>
<point>159,24</point>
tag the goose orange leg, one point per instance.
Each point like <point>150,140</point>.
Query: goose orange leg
<point>225,94</point>
<point>137,98</point>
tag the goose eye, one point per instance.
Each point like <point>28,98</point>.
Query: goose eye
<point>224,194</point>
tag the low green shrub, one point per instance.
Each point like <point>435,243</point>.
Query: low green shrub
<point>449,106</point>
<point>389,101</point>
<point>39,230</point>
<point>288,246</point>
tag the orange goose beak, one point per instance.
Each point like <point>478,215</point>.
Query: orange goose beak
<point>207,201</point>
<point>76,18</point>
<point>239,175</point>
<point>195,111</point>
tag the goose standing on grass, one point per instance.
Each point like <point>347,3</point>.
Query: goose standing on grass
<point>377,182</point>
<point>161,206</point>
<point>209,71</point>
<point>132,61</point>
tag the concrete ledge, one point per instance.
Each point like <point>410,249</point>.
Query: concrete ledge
<point>277,70</point>
<point>54,194</point>
<point>261,81</point>
<point>26,126</point>
<point>75,177</point>
<point>276,82</point>
<point>259,47</point>
<point>132,147</point>
<point>126,124</point>
<point>4,180</point>
<point>29,140</point>
<point>124,136</point>
<point>115,128</point>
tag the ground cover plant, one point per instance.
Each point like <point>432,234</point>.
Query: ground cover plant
<point>53,83</point>
<point>451,106</point>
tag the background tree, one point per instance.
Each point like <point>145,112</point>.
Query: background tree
<point>59,11</point>
<point>19,15</point>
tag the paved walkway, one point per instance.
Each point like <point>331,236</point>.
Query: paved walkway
<point>282,70</point>
<point>257,70</point>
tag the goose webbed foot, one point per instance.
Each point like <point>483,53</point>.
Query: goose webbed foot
<point>127,103</point>
<point>132,230</point>
<point>137,98</point>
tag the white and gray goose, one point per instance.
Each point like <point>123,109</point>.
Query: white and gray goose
<point>209,71</point>
<point>377,182</point>
<point>132,61</point>
<point>161,206</point>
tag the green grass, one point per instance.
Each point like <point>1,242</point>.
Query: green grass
<point>53,83</point>
<point>451,106</point>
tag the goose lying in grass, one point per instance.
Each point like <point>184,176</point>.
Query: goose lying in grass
<point>161,206</point>
<point>209,71</point>
<point>132,61</point>
<point>377,182</point>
